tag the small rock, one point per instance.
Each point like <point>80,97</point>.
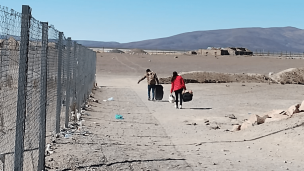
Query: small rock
<point>246,125</point>
<point>206,120</point>
<point>231,116</point>
<point>215,127</point>
<point>236,128</point>
<point>301,108</point>
<point>293,109</point>
<point>256,119</point>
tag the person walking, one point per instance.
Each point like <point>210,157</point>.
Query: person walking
<point>152,80</point>
<point>177,85</point>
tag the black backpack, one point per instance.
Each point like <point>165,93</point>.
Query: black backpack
<point>187,97</point>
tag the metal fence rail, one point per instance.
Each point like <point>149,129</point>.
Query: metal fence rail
<point>278,54</point>
<point>43,77</point>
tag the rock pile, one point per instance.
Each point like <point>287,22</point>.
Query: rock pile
<point>289,76</point>
<point>274,115</point>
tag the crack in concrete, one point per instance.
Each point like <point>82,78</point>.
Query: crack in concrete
<point>253,139</point>
<point>125,161</point>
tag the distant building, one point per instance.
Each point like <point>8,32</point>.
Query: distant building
<point>137,51</point>
<point>116,51</point>
<point>239,51</point>
<point>224,51</point>
<point>213,51</point>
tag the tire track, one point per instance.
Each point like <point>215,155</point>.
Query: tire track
<point>124,64</point>
<point>134,63</point>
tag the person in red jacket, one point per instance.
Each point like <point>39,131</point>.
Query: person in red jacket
<point>177,85</point>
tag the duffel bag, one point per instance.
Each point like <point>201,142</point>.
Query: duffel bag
<point>187,97</point>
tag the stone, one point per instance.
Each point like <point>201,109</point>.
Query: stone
<point>274,113</point>
<point>231,116</point>
<point>256,119</point>
<point>215,127</point>
<point>235,128</point>
<point>293,109</point>
<point>301,108</point>
<point>262,119</point>
<point>206,120</point>
<point>246,125</point>
<point>278,118</point>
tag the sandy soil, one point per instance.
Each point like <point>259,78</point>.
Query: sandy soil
<point>156,136</point>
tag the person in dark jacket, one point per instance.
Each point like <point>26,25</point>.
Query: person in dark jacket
<point>152,80</point>
<point>177,85</point>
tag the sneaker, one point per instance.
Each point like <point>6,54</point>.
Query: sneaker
<point>175,106</point>
<point>148,99</point>
<point>180,106</point>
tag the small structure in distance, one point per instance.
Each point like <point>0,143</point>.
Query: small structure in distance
<point>224,51</point>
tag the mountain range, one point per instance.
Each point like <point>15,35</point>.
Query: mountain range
<point>274,39</point>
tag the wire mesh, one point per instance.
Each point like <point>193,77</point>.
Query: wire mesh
<point>10,29</point>
<point>32,120</point>
<point>36,86</point>
<point>63,81</point>
<point>52,71</point>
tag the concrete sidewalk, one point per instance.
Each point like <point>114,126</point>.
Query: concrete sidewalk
<point>137,142</point>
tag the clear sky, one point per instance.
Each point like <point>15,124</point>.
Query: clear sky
<point>134,20</point>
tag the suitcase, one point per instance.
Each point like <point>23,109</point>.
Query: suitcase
<point>187,97</point>
<point>159,92</point>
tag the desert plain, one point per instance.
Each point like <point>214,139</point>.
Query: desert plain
<point>153,135</point>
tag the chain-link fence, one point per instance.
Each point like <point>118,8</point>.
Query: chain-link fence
<point>43,77</point>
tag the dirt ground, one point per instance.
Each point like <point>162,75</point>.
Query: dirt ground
<point>156,136</point>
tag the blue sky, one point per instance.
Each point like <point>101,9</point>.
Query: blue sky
<point>134,20</point>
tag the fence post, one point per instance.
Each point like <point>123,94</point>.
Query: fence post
<point>22,84</point>
<point>78,76</point>
<point>43,95</point>
<point>67,104</point>
<point>74,74</point>
<point>59,100</point>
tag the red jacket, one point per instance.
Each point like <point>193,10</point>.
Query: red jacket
<point>177,84</point>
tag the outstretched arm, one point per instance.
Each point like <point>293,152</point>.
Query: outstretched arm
<point>141,79</point>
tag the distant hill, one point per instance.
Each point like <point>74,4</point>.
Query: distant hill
<point>90,43</point>
<point>267,39</point>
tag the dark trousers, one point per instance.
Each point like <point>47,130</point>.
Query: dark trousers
<point>151,87</point>
<point>178,92</point>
